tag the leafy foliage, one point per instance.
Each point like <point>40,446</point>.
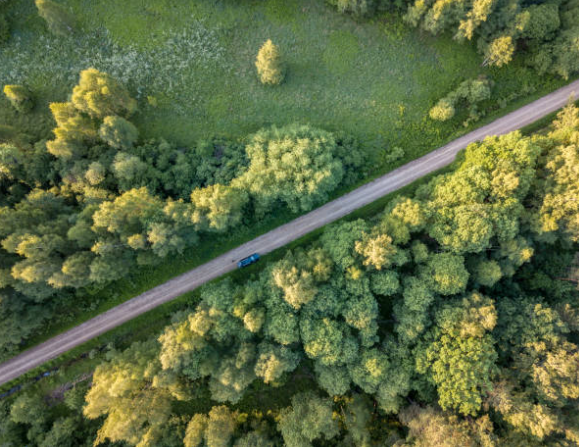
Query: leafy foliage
<point>58,19</point>
<point>296,165</point>
<point>470,92</point>
<point>19,97</point>
<point>88,206</point>
<point>270,67</point>
<point>469,331</point>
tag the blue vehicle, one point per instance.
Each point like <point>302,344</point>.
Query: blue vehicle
<point>248,261</point>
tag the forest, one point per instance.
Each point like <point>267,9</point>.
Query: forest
<point>134,136</point>
<point>450,318</point>
<point>89,205</point>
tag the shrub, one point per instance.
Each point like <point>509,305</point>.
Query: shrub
<point>58,19</point>
<point>442,111</point>
<point>395,154</point>
<point>19,97</point>
<point>470,92</point>
<point>269,64</point>
<point>100,95</point>
<point>117,132</point>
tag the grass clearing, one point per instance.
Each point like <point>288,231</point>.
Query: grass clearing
<point>375,80</point>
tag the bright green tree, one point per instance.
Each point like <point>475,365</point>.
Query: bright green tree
<point>117,132</point>
<point>500,51</point>
<point>58,19</point>
<point>99,95</point>
<point>269,64</point>
<point>19,97</point>
<point>296,165</point>
<point>461,358</point>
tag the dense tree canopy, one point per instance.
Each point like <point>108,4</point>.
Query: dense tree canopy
<point>296,165</point>
<point>451,311</point>
<point>545,34</point>
<point>450,318</point>
<point>88,206</point>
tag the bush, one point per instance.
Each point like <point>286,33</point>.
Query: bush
<point>269,64</point>
<point>58,19</point>
<point>19,97</point>
<point>117,132</point>
<point>470,92</point>
<point>395,154</point>
<point>442,111</point>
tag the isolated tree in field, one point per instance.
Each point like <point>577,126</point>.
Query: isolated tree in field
<point>100,95</point>
<point>117,132</point>
<point>269,64</point>
<point>19,97</point>
<point>58,19</point>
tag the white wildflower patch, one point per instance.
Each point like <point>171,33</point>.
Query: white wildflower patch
<point>166,68</point>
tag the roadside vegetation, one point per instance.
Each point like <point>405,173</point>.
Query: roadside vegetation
<point>449,317</point>
<point>187,106</point>
<point>139,139</point>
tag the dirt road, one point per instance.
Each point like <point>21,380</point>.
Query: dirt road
<point>280,236</point>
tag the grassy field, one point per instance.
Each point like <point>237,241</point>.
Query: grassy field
<point>376,80</point>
